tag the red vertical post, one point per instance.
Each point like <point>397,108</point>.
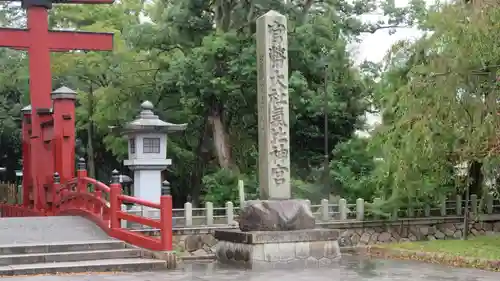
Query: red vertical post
<point>114,201</point>
<point>40,88</point>
<point>166,218</point>
<point>97,206</point>
<point>81,185</point>
<point>27,180</point>
<point>64,132</point>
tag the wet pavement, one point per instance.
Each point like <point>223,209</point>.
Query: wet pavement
<point>348,269</point>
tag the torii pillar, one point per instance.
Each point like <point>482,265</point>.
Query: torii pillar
<point>39,41</point>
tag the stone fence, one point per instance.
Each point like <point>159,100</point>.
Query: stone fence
<point>325,211</point>
<point>199,241</point>
<point>194,227</point>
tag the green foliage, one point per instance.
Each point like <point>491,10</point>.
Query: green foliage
<point>195,61</point>
<point>309,189</point>
<point>13,84</point>
<point>351,169</point>
<point>221,186</point>
<point>439,105</point>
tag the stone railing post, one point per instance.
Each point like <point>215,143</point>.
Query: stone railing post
<point>343,209</point>
<point>442,204</point>
<point>145,212</point>
<point>395,214</point>
<point>458,207</point>
<point>241,193</point>
<point>188,214</point>
<point>473,204</point>
<point>308,202</point>
<point>209,213</point>
<point>325,216</point>
<point>124,223</point>
<point>427,210</point>
<point>360,209</point>
<point>229,212</point>
<point>489,203</point>
<point>410,210</point>
<point>377,202</point>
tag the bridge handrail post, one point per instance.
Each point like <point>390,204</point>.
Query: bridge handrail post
<point>81,173</point>
<point>97,207</point>
<point>166,218</point>
<point>55,191</point>
<point>114,201</point>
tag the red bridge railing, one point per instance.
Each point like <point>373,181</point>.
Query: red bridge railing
<point>87,197</point>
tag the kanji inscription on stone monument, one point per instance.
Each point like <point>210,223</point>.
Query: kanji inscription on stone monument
<point>273,106</point>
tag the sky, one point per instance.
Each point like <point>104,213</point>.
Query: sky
<point>375,46</point>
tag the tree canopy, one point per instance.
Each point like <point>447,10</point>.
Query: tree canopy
<point>439,102</point>
<point>195,61</point>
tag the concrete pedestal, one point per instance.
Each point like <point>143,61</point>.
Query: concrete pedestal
<point>147,182</point>
<point>278,249</point>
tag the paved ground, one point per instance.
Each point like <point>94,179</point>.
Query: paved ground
<point>350,269</point>
<point>31,230</point>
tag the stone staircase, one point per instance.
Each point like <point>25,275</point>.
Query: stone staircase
<point>95,256</point>
<point>50,245</point>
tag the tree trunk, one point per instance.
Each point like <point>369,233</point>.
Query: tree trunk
<point>220,138</point>
<point>222,146</point>
<point>305,11</point>
<point>476,178</point>
<point>90,135</point>
<point>202,157</point>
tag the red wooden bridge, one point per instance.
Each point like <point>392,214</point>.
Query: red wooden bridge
<point>51,187</point>
<point>89,198</point>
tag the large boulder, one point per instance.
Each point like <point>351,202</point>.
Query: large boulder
<point>276,215</point>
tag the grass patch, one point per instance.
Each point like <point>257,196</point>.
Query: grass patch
<point>482,247</point>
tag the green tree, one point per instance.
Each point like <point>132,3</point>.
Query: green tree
<point>439,106</point>
<point>195,60</point>
<point>13,83</point>
<point>208,67</point>
<point>351,167</point>
<point>95,74</point>
<point>13,87</point>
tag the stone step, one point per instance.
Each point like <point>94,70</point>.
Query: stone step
<point>53,229</point>
<point>14,249</point>
<point>69,256</point>
<point>50,245</point>
<point>130,264</point>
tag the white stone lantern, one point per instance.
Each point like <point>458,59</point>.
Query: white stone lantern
<point>147,151</point>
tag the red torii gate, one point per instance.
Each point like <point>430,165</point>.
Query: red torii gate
<point>40,159</point>
<point>49,140</point>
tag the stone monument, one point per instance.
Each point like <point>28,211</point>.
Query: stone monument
<point>275,230</point>
<point>147,151</point>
